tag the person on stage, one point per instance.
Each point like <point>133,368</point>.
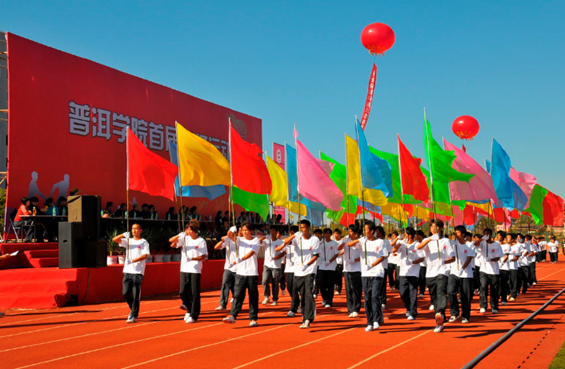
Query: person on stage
<point>230,268</point>
<point>194,252</point>
<point>490,253</point>
<point>439,254</point>
<point>460,280</point>
<point>306,249</point>
<point>272,265</point>
<point>326,269</point>
<point>137,250</point>
<point>352,272</point>
<point>247,275</point>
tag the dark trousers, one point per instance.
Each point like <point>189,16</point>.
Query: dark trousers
<point>384,288</point>
<point>524,278</point>
<point>338,277</point>
<point>295,299</point>
<point>553,257</point>
<point>372,291</point>
<point>533,277</point>
<point>228,283</point>
<point>504,285</point>
<point>326,284</point>
<point>390,271</point>
<point>422,280</point>
<point>476,278</point>
<point>438,289</point>
<point>243,283</point>
<point>409,294</point>
<point>190,293</point>
<point>271,276</point>
<point>543,255</point>
<point>353,291</point>
<point>29,232</point>
<point>513,283</point>
<point>493,282</point>
<point>131,290</point>
<point>463,286</point>
<point>304,286</point>
<point>282,280</point>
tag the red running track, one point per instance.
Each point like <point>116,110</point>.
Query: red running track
<point>94,336</point>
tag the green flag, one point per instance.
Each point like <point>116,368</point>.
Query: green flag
<point>251,201</point>
<point>536,204</point>
<point>339,177</point>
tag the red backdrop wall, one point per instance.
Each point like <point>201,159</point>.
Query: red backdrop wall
<point>67,119</point>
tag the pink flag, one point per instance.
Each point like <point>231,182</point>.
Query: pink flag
<point>313,181</point>
<point>525,181</point>
<point>480,187</point>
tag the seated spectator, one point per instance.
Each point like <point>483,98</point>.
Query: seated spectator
<point>19,221</point>
<point>62,205</point>
<point>33,208</point>
<point>135,212</point>
<point>121,212</point>
<point>258,219</point>
<point>226,216</point>
<point>242,218</point>
<point>145,214</point>
<point>192,214</point>
<point>49,207</point>
<point>108,210</point>
<point>153,212</point>
<point>171,214</point>
<point>218,221</point>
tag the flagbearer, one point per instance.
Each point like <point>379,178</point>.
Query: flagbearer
<point>490,252</point>
<point>306,249</point>
<point>352,271</point>
<point>194,251</point>
<point>439,254</point>
<point>228,279</point>
<point>460,280</point>
<point>289,268</point>
<point>137,250</point>
<point>326,270</point>
<point>272,265</point>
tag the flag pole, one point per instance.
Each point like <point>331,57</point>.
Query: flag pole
<point>346,182</point>
<point>361,188</point>
<point>287,191</point>
<point>400,175</point>
<point>127,190</point>
<point>429,160</point>
<point>181,221</point>
<point>298,190</point>
<point>230,200</point>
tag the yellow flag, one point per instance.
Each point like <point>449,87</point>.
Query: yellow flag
<point>200,162</point>
<point>420,212</point>
<point>395,211</point>
<point>279,193</point>
<point>293,207</point>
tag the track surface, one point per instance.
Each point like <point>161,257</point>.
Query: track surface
<point>94,336</point>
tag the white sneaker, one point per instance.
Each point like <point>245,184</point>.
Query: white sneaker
<point>431,308</point>
<point>465,320</point>
<point>315,296</point>
<point>410,317</point>
<point>494,311</point>
<point>328,306</point>
<point>231,300</point>
<point>219,308</point>
<point>421,295</point>
<point>503,303</point>
<point>407,313</point>
<point>253,323</point>
<point>438,329</point>
<point>350,315</point>
<point>376,326</point>
<point>336,293</point>
<point>354,314</point>
<point>452,319</point>
<point>483,310</point>
<point>290,314</point>
<point>274,303</point>
<point>369,328</point>
<point>265,301</point>
<point>305,325</point>
<point>299,310</point>
<point>383,306</point>
<point>534,284</point>
<point>130,319</point>
<point>186,316</point>
<point>190,320</point>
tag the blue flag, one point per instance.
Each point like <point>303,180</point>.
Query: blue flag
<point>507,191</point>
<point>375,171</point>
<point>315,216</point>
<point>211,192</point>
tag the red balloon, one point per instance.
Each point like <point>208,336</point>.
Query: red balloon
<point>465,127</point>
<point>377,38</point>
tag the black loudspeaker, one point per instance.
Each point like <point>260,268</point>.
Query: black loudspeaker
<point>70,236</point>
<point>86,209</point>
<point>92,254</point>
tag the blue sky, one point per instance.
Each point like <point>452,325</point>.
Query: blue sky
<point>302,62</point>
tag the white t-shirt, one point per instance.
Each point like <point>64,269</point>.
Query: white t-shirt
<point>552,246</point>
<point>270,253</point>
<point>393,257</point>
<point>191,248</point>
<point>350,253</point>
<point>289,259</point>
<point>542,245</point>
<point>525,250</point>
<point>462,251</point>
<point>389,250</point>
<point>478,256</point>
<point>374,249</point>
<point>437,251</point>
<point>136,249</point>
<point>231,256</point>
<point>409,251</point>
<point>533,248</point>
<point>339,259</point>
<point>244,246</point>
<point>327,251</point>
<point>490,251</point>
<point>304,251</point>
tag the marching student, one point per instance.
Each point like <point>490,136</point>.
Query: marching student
<point>306,248</point>
<point>392,261</point>
<point>272,266</point>
<point>542,245</point>
<point>504,241</point>
<point>409,263</point>
<point>326,268</point>
<point>516,250</point>
<point>523,264</point>
<point>372,253</point>
<point>247,275</point>
<point>194,251</point>
<point>533,258</point>
<point>460,279</point>
<point>490,252</point>
<point>478,261</point>
<point>423,266</point>
<point>339,264</point>
<point>137,250</point>
<point>352,272</point>
<point>439,253</point>
<point>289,267</point>
<point>228,279</point>
<point>384,288</point>
<point>552,246</point>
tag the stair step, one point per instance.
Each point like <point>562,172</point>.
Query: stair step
<point>42,253</point>
<point>44,262</point>
<point>37,274</point>
<point>32,300</point>
<point>48,287</point>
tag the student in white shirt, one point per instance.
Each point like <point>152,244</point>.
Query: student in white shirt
<point>338,279</point>
<point>289,266</point>
<point>272,265</point>
<point>352,272</point>
<point>194,252</point>
<point>490,252</point>
<point>460,280</point>
<point>532,258</point>
<point>542,244</point>
<point>372,254</point>
<point>478,261</point>
<point>247,275</point>
<point>552,245</point>
<point>409,263</point>
<point>523,264</point>
<point>137,250</point>
<point>307,251</point>
<point>439,254</point>
<point>228,279</point>
<point>504,262</point>
<point>326,268</point>
<point>392,261</point>
<point>423,266</point>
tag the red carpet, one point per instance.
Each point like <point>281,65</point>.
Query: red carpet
<point>96,336</point>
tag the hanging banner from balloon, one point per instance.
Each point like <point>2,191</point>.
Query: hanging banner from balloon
<point>369,100</point>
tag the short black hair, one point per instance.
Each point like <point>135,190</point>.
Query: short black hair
<point>410,231</point>
<point>294,228</point>
<point>34,199</point>
<point>306,222</point>
<point>461,229</point>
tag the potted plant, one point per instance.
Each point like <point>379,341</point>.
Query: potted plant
<point>114,248</point>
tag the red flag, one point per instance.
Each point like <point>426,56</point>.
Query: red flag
<point>413,180</point>
<point>249,171</point>
<point>553,208</point>
<point>369,100</point>
<point>147,171</point>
